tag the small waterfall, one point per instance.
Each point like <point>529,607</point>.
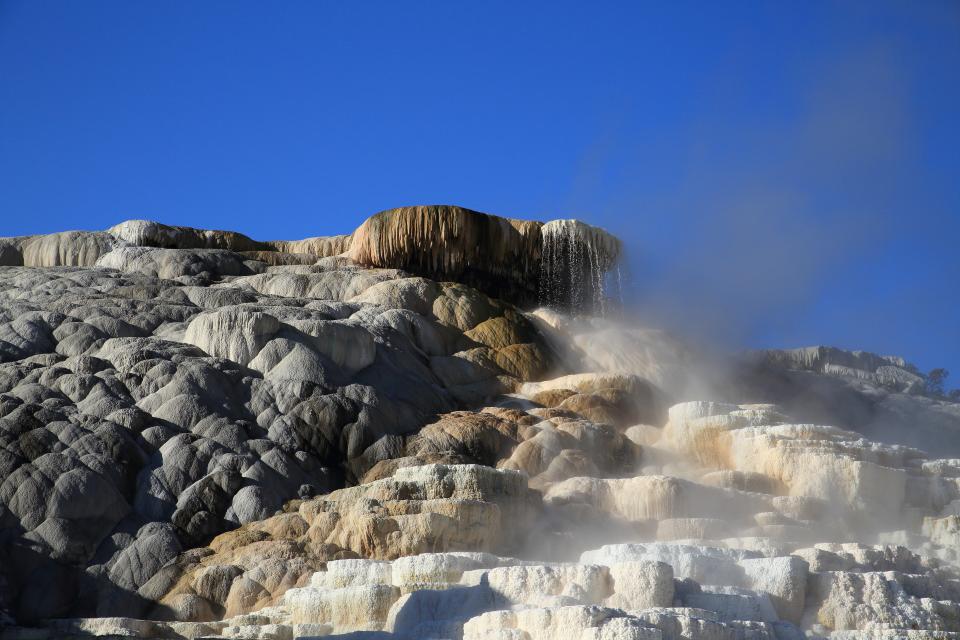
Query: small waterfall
<point>574,265</point>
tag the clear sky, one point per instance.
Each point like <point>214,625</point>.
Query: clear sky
<point>786,173</point>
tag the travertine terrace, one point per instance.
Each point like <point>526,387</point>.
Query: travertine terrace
<point>422,430</point>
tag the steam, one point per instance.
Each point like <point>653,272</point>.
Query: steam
<point>776,233</point>
<point>734,239</point>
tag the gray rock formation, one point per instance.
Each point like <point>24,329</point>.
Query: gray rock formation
<point>882,397</point>
<point>173,391</point>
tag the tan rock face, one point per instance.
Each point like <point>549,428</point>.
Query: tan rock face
<point>866,481</point>
<point>617,398</point>
<point>418,510</point>
<point>496,255</point>
<point>415,294</point>
<point>502,331</point>
<point>724,504</point>
<point>551,397</point>
<point>70,248</point>
<point>319,247</point>
<point>607,406</point>
<point>64,249</point>
<point>481,436</point>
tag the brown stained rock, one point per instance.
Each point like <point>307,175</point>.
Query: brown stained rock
<point>466,367</point>
<point>555,414</point>
<point>643,400</point>
<point>318,247</point>
<point>497,255</point>
<point>520,418</point>
<point>237,538</point>
<point>244,570</point>
<point>551,397</point>
<point>482,437</point>
<point>525,362</point>
<point>569,463</point>
<point>463,307</point>
<point>503,331</point>
<point>285,526</point>
<point>430,508</point>
<point>596,409</point>
<point>534,455</point>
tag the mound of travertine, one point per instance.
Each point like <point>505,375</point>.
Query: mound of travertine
<point>766,551</point>
<point>160,385</point>
<point>141,415</point>
<point>762,552</point>
<point>500,256</point>
<point>414,580</point>
<point>209,436</point>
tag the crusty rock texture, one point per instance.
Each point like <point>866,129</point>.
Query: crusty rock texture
<point>451,243</point>
<point>203,435</point>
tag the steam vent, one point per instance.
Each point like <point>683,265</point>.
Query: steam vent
<point>432,428</point>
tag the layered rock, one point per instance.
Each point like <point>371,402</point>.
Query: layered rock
<point>433,508</point>
<point>891,371</point>
<point>619,591</point>
<point>218,437</point>
<point>881,397</point>
<point>498,255</point>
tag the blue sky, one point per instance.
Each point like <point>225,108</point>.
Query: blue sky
<point>785,173</point>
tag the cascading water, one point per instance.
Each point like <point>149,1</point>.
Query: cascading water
<point>574,265</point>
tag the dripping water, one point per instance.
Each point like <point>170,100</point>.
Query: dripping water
<point>575,261</point>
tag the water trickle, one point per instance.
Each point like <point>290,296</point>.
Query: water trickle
<point>619,285</point>
<point>575,261</point>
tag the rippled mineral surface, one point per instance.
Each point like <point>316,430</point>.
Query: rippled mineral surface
<point>439,426</point>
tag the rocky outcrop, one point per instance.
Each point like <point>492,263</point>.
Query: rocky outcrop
<point>880,397</point>
<point>135,397</point>
<point>146,233</point>
<point>68,248</point>
<point>428,509</point>
<point>561,263</point>
<point>498,255</point>
<point>888,371</point>
<point>319,247</point>
<point>711,553</point>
